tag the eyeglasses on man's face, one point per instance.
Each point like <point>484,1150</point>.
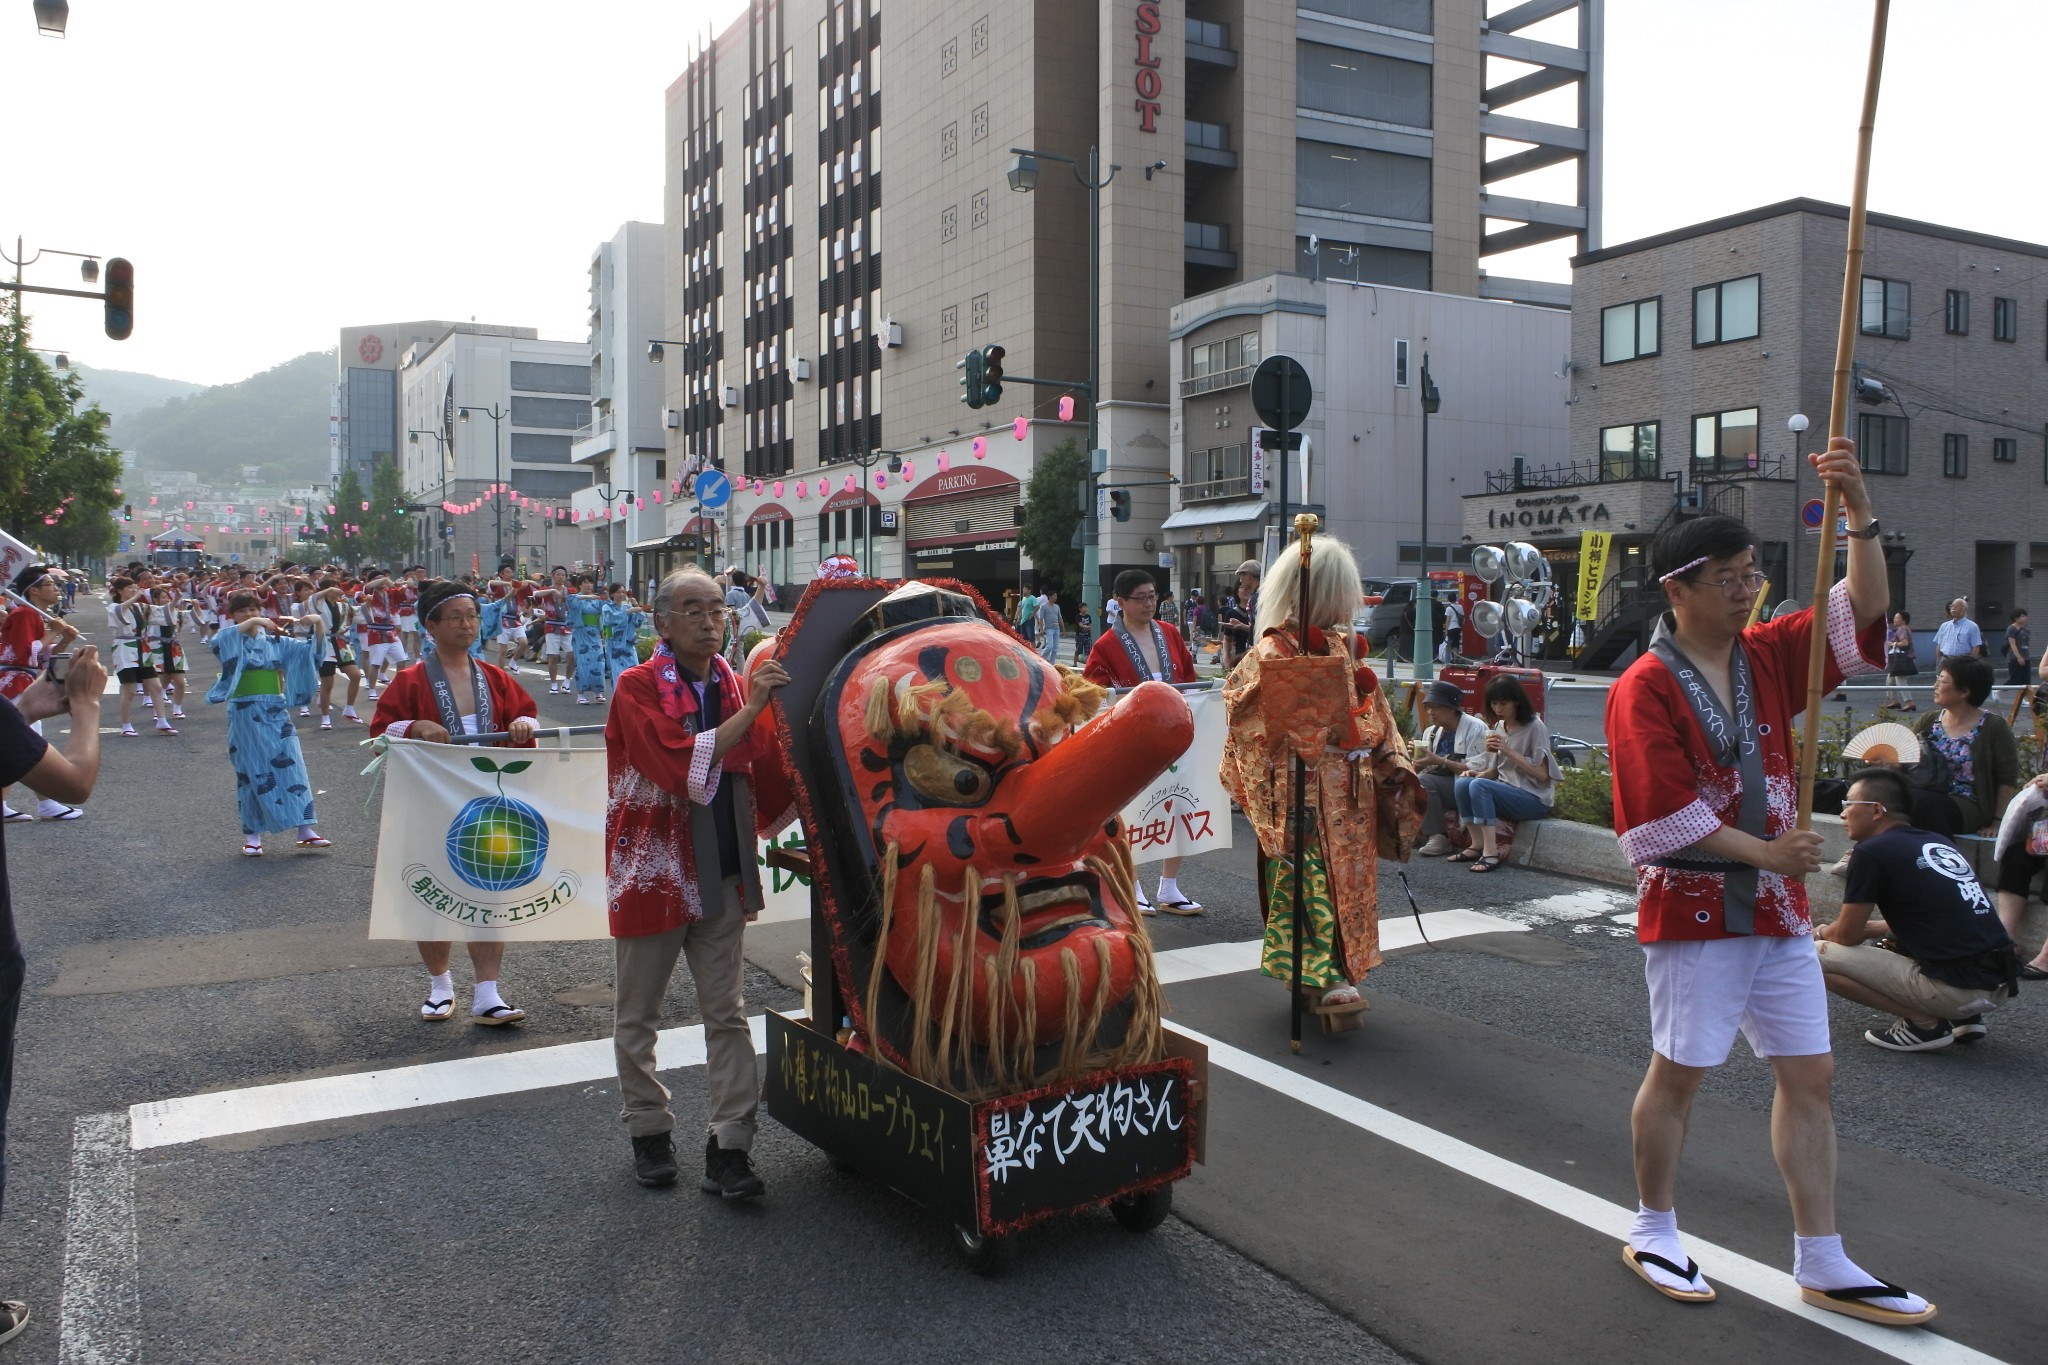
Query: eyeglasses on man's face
<point>1147,596</point>
<point>694,615</point>
<point>1736,584</point>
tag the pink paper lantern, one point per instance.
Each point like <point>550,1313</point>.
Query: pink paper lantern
<point>657,497</point>
<point>330,508</point>
<point>945,461</point>
<point>824,488</point>
<point>1067,407</point>
<point>188,507</point>
<point>909,472</point>
<point>366,507</point>
<point>980,447</point>
<point>152,503</point>
<point>639,504</point>
<point>1021,428</point>
<point>778,488</point>
<point>881,478</point>
<point>759,488</point>
<point>675,485</point>
<point>850,484</point>
<point>803,489</point>
<point>231,510</point>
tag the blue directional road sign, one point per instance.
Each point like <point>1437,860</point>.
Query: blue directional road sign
<point>713,488</point>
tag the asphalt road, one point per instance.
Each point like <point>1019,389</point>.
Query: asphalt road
<point>1434,1187</point>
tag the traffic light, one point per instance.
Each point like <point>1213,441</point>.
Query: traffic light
<point>128,512</point>
<point>992,375</point>
<point>973,384</point>
<point>1120,503</point>
<point>402,507</point>
<point>120,298</point>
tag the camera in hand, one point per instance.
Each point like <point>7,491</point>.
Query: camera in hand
<point>60,667</point>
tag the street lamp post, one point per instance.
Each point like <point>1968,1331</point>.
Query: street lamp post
<point>1425,595</point>
<point>498,472</point>
<point>868,460</point>
<point>610,496</point>
<point>1024,178</point>
<point>413,437</point>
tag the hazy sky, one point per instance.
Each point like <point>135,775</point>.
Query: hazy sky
<point>300,166</point>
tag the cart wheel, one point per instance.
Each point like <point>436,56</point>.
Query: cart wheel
<point>1143,1212</point>
<point>984,1255</point>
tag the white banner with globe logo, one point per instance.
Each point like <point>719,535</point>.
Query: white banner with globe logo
<point>490,844</point>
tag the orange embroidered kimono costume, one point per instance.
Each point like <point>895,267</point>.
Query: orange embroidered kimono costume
<point>1326,707</point>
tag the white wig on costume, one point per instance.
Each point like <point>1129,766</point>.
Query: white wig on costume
<point>1334,589</point>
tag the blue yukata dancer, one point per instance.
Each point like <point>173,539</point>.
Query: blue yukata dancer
<point>491,620</point>
<point>264,673</point>
<point>622,624</point>
<point>586,621</point>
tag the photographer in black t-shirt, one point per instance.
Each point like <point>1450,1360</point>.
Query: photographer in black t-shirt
<point>1952,962</point>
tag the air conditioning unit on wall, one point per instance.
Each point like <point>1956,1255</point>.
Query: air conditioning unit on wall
<point>671,418</point>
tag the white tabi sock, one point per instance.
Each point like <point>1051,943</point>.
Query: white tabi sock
<point>1655,1233</point>
<point>441,987</point>
<point>485,997</point>
<point>1169,891</point>
<point>1819,1263</point>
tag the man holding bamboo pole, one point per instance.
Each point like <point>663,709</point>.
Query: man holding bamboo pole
<point>1705,803</point>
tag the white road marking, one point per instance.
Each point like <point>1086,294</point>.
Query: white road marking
<point>102,1308</point>
<point>1566,905</point>
<point>1762,1282</point>
<point>221,1113</point>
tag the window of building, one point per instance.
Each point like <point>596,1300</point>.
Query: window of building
<point>1725,312</point>
<point>1956,315</point>
<point>1881,443</point>
<point>2005,319</point>
<point>1887,307</point>
<point>1955,455</point>
<point>2005,450</point>
<point>1629,331</point>
<point>1357,180</point>
<point>1337,80</point>
<point>1219,357</point>
<point>1724,441</point>
<point>1629,452</point>
<point>1412,16</point>
<point>1400,364</point>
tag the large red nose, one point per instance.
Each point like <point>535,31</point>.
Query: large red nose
<point>1061,801</point>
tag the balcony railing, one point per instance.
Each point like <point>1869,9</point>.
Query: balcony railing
<point>1622,469</point>
<point>597,428</point>
<point>1216,490</point>
<point>1215,36</point>
<point>1216,379</point>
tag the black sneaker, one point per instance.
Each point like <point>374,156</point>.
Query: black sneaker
<point>654,1160</point>
<point>1968,1030</point>
<point>1905,1036</point>
<point>729,1173</point>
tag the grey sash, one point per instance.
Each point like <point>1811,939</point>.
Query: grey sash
<point>1734,744</point>
<point>444,696</point>
<point>1130,645</point>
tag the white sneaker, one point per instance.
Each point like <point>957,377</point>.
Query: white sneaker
<point>1436,846</point>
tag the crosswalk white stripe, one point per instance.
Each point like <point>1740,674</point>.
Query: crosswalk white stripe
<point>254,1109</point>
<point>1774,1287</point>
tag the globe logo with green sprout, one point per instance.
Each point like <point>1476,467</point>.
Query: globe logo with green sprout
<point>496,843</point>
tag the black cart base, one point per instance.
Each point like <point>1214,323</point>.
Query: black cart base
<point>994,1166</point>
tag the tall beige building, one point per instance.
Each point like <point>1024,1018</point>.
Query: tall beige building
<point>841,230</point>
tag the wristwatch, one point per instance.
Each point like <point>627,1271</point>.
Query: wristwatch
<point>1867,533</point>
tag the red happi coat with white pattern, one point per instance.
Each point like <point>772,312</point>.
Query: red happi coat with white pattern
<point>1670,791</point>
<point>659,766</point>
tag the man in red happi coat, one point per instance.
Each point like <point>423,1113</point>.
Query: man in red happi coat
<point>1705,802</point>
<point>688,764</point>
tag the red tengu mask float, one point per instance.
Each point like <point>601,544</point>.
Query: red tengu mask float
<point>980,887</point>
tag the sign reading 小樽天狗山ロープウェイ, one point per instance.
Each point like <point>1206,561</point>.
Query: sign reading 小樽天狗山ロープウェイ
<point>1185,810</point>
<point>490,844</point>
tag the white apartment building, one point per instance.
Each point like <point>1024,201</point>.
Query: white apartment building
<point>620,514</point>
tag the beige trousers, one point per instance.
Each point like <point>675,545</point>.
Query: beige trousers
<point>643,968</point>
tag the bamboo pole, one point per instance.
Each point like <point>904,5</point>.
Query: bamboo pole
<point>1838,416</point>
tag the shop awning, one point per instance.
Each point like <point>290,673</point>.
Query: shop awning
<point>1215,514</point>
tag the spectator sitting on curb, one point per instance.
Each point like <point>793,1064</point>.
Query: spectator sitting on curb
<point>1954,962</point>
<point>1453,746</point>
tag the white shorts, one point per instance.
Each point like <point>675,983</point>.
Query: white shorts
<point>1702,991</point>
<point>408,623</point>
<point>557,647</point>
<point>377,655</point>
<point>512,635</point>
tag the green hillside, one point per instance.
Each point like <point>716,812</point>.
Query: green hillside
<point>123,393</point>
<point>276,419</point>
